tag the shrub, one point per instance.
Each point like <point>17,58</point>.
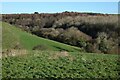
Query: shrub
<point>105,44</point>
<point>73,36</point>
<point>36,13</point>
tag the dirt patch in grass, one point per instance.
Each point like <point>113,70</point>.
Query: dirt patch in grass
<point>13,52</point>
<point>57,55</point>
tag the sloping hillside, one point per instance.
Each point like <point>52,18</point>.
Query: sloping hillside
<point>62,65</point>
<point>55,63</point>
<point>82,30</point>
<point>16,38</point>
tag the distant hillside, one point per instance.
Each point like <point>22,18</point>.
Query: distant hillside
<point>15,38</point>
<point>90,31</point>
<point>89,23</point>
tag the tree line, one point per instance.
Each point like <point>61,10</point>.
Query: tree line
<point>93,32</point>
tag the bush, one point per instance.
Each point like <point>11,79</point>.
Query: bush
<point>105,44</point>
<point>73,36</point>
<point>82,43</point>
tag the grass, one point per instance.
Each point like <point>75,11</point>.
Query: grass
<point>13,36</point>
<point>54,64</point>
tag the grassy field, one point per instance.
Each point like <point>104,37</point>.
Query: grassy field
<point>52,62</point>
<point>46,64</point>
<point>13,36</point>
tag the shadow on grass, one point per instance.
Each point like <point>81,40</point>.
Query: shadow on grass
<point>63,49</point>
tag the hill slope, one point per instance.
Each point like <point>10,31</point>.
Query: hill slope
<point>16,38</point>
<point>53,64</point>
<point>49,64</point>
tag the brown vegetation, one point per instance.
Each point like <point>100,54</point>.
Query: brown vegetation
<point>58,55</point>
<point>73,28</point>
<point>13,52</point>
